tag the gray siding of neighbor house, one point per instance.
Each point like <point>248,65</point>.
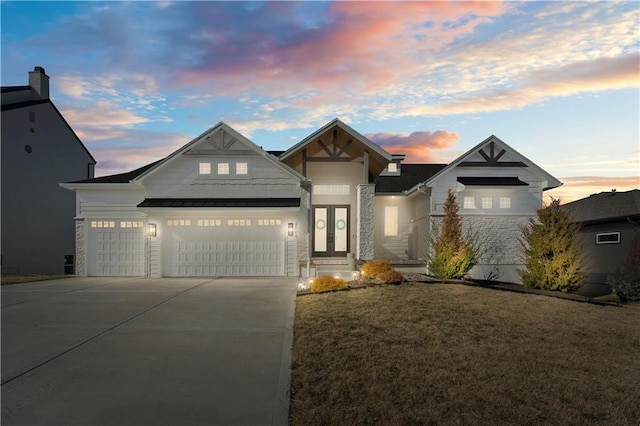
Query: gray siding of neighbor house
<point>38,228</point>
<point>602,260</point>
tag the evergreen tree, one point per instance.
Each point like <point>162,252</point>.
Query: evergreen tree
<point>450,255</point>
<point>551,253</point>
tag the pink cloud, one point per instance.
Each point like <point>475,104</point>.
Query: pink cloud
<point>417,146</point>
<point>578,187</point>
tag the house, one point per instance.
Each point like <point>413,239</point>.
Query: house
<point>39,150</point>
<point>221,205</point>
<point>609,232</point>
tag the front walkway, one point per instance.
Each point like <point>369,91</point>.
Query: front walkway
<point>135,351</point>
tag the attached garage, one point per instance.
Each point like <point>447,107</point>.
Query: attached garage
<point>116,248</point>
<point>224,246</point>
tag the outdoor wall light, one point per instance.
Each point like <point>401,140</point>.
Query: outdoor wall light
<point>153,230</point>
<point>290,229</point>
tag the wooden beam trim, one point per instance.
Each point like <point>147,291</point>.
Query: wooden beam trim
<point>323,146</point>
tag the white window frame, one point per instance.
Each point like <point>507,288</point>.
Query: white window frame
<point>391,221</point>
<point>469,202</point>
<point>239,222</point>
<point>242,168</point>
<point>333,189</point>
<point>223,168</point>
<point>269,222</point>
<point>103,224</point>
<point>204,168</point>
<point>392,167</point>
<point>505,202</point>
<point>487,202</point>
<point>178,222</point>
<point>598,235</point>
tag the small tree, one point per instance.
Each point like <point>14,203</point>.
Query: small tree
<point>551,253</point>
<point>450,255</point>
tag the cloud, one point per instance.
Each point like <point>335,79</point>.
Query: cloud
<point>418,146</point>
<point>101,115</point>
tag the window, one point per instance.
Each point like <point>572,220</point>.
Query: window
<point>487,202</point>
<point>331,189</point>
<point>223,168</point>
<point>505,202</point>
<point>103,224</point>
<point>608,238</point>
<point>393,167</point>
<point>179,222</point>
<point>390,221</point>
<point>469,203</point>
<point>239,222</point>
<point>204,168</point>
<point>131,224</point>
<point>269,222</point>
<point>209,222</point>
<point>241,168</point>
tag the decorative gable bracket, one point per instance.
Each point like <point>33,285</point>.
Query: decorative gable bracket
<point>492,159</point>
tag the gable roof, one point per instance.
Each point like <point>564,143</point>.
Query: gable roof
<point>552,182</point>
<point>378,163</point>
<point>605,207</point>
<point>410,176</point>
<point>218,127</point>
<point>25,104</point>
<point>120,177</point>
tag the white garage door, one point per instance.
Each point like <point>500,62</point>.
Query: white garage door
<point>224,247</point>
<point>117,248</point>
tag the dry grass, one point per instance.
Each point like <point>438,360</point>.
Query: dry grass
<point>6,279</point>
<point>452,354</point>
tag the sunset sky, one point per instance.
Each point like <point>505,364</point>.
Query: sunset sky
<point>558,81</point>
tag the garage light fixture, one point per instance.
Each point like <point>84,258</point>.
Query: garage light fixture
<point>153,230</point>
<point>290,229</point>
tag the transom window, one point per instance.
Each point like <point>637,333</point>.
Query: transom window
<point>487,202</point>
<point>390,221</point>
<point>103,224</point>
<point>608,238</point>
<point>239,222</point>
<point>241,168</point>
<point>223,168</point>
<point>209,222</point>
<point>131,224</point>
<point>469,203</point>
<point>204,168</point>
<point>331,189</point>
<point>505,202</point>
<point>269,222</point>
<point>179,222</point>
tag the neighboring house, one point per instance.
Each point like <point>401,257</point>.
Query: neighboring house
<point>609,224</point>
<point>221,205</point>
<point>39,150</point>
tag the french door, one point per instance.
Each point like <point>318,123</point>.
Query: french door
<point>330,231</point>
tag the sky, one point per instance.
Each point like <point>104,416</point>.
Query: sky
<point>557,81</point>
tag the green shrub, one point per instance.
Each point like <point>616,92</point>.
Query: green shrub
<point>451,255</point>
<point>391,276</point>
<point>551,253</point>
<point>374,268</point>
<point>327,283</point>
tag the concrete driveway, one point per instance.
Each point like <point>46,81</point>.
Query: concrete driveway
<point>137,351</point>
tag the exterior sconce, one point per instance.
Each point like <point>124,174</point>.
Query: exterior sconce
<point>290,229</point>
<point>153,230</point>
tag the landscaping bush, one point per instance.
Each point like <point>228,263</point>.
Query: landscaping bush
<point>551,253</point>
<point>374,268</point>
<point>451,255</point>
<point>391,277</point>
<point>327,283</point>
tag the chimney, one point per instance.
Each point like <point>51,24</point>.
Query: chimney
<point>39,81</point>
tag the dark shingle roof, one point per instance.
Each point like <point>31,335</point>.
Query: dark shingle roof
<point>219,202</point>
<point>6,89</point>
<point>491,181</point>
<point>119,178</point>
<point>605,207</point>
<point>411,175</point>
<point>24,104</point>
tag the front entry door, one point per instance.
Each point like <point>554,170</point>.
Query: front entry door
<point>330,231</point>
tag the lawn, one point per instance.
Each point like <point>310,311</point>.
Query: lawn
<point>454,354</point>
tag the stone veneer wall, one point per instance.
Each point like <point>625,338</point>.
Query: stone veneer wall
<point>500,239</point>
<point>303,226</point>
<point>366,221</point>
<point>81,247</point>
